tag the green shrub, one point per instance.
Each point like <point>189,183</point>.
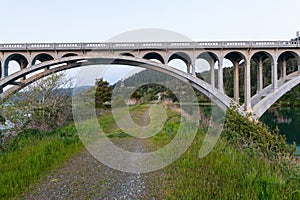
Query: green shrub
<point>254,136</point>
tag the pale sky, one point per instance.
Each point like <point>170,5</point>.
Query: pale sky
<point>98,21</point>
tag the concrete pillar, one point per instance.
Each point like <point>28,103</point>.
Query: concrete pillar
<point>165,59</point>
<point>284,67</point>
<point>236,82</point>
<point>260,83</point>
<point>193,67</point>
<point>23,65</point>
<point>248,86</point>
<point>1,74</point>
<point>188,64</point>
<point>220,76</point>
<point>212,72</point>
<point>274,75</point>
<point>30,60</point>
<point>2,70</point>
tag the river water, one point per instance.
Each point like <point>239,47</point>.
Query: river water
<point>287,119</point>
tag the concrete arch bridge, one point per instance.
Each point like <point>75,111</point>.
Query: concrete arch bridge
<point>280,58</point>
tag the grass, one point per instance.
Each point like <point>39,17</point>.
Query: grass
<point>27,158</point>
<point>228,172</point>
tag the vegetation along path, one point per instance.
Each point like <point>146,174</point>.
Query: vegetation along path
<point>84,177</point>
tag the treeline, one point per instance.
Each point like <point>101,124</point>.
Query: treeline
<point>152,85</point>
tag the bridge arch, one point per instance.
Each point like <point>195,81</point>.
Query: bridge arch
<point>42,57</point>
<point>234,90</point>
<point>126,54</point>
<point>155,56</point>
<point>68,63</point>
<point>183,57</point>
<point>264,61</point>
<point>19,58</point>
<point>289,62</point>
<point>69,55</point>
<point>262,106</point>
<point>235,56</point>
<point>211,58</point>
<point>208,55</point>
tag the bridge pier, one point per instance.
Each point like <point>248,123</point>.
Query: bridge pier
<point>188,65</point>
<point>212,72</point>
<point>260,83</point>
<point>274,75</point>
<point>23,65</point>
<point>2,70</point>
<point>236,82</point>
<point>284,67</point>
<point>220,76</point>
<point>248,86</point>
<point>194,68</point>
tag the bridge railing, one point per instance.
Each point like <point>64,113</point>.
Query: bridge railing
<point>149,45</point>
<point>13,46</point>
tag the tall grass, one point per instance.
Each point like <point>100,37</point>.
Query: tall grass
<point>228,172</point>
<point>26,158</point>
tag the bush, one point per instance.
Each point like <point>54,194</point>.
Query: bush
<point>45,104</point>
<point>253,136</point>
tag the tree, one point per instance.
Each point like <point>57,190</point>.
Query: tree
<point>103,93</point>
<point>45,104</point>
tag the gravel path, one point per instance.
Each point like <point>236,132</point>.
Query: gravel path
<point>83,177</point>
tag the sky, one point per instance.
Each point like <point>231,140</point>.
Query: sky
<point>98,21</point>
<point>101,21</point>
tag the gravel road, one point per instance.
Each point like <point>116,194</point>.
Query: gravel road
<point>83,177</point>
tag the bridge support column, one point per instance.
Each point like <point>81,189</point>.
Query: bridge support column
<point>236,82</point>
<point>1,74</point>
<point>260,76</point>
<point>248,86</point>
<point>188,64</point>
<point>212,72</point>
<point>220,76</point>
<point>23,65</point>
<point>2,71</point>
<point>298,67</point>
<point>274,75</point>
<point>283,68</point>
<point>193,67</point>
